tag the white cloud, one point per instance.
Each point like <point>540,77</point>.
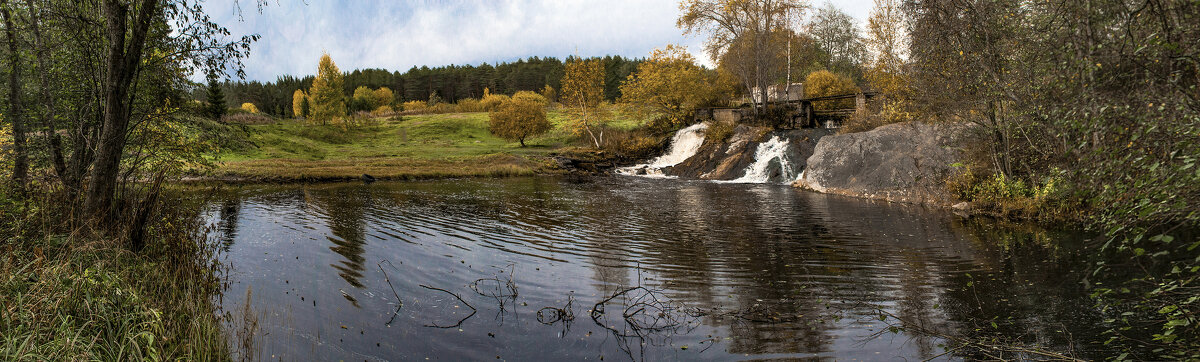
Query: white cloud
<point>397,35</point>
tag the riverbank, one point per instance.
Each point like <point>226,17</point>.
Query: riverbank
<point>454,145</point>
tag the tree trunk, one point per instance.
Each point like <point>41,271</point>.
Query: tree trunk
<point>20,172</point>
<point>122,64</point>
<point>49,122</point>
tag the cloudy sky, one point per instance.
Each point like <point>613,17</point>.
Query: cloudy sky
<point>397,35</point>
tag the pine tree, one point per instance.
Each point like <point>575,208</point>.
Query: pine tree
<point>328,99</point>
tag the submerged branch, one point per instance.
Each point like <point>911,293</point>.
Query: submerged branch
<point>460,322</point>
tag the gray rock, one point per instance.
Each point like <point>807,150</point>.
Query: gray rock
<point>906,162</point>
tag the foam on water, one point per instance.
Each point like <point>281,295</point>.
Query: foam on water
<point>684,145</point>
<point>769,154</point>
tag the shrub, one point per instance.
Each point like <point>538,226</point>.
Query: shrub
<point>862,122</point>
<point>470,105</point>
<point>532,97</point>
<point>550,94</point>
<point>1004,195</point>
<point>632,145</point>
<point>415,106</point>
<point>246,118</point>
<point>249,107</point>
<point>518,119</point>
<point>362,100</point>
<point>6,158</point>
<point>718,132</point>
<point>383,111</point>
<point>492,101</point>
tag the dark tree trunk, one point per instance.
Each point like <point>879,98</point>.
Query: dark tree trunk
<point>122,64</point>
<point>20,153</point>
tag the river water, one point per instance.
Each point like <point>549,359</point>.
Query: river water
<point>682,270</point>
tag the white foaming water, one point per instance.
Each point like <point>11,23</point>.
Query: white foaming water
<point>774,150</point>
<point>684,145</point>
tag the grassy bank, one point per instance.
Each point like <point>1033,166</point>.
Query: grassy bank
<point>84,296</point>
<point>408,147</point>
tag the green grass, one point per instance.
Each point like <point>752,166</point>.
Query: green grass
<point>86,297</point>
<point>420,146</point>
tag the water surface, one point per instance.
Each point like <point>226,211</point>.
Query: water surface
<point>726,272</point>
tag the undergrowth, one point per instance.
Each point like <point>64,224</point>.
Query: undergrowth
<point>79,295</point>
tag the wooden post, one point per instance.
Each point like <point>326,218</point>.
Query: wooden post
<point>860,102</point>
<point>808,114</point>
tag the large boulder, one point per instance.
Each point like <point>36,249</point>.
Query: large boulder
<point>906,162</point>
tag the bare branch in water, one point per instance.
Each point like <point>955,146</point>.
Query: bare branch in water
<point>399,303</point>
<point>460,322</point>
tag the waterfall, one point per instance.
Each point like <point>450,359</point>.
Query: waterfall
<point>771,164</point>
<point>684,145</point>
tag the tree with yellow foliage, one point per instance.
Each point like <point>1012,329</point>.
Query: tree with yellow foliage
<point>249,107</point>
<point>328,103</point>
<point>518,119</point>
<point>362,100</point>
<point>824,83</point>
<point>383,97</point>
<point>550,94</point>
<point>671,83</point>
<point>886,39</point>
<point>582,93</point>
<point>299,104</point>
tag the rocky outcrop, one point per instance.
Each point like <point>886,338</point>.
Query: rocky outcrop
<point>906,162</point>
<point>730,159</point>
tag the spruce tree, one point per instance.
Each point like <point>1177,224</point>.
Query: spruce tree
<point>216,99</point>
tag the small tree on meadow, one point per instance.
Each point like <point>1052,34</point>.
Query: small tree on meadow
<point>328,103</point>
<point>299,104</point>
<point>518,119</point>
<point>382,97</point>
<point>216,100</point>
<point>582,92</point>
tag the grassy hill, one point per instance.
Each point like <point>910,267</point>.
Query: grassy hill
<point>420,146</point>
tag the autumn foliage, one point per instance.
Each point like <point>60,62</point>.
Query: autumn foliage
<point>250,108</point>
<point>671,83</point>
<point>531,97</point>
<point>824,83</point>
<point>299,104</point>
<point>582,93</point>
<point>518,119</point>
<point>328,103</point>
